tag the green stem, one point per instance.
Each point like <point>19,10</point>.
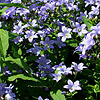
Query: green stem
<point>75,75</point>
<point>96,95</point>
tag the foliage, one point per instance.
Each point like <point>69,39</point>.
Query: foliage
<point>49,50</point>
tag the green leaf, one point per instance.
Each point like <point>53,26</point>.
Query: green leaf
<point>96,88</point>
<point>22,76</point>
<point>13,4</point>
<point>31,58</point>
<point>13,35</point>
<point>20,51</point>
<point>3,10</point>
<point>19,62</point>
<point>87,22</point>
<point>57,95</point>
<point>72,43</point>
<point>4,42</point>
<point>33,81</point>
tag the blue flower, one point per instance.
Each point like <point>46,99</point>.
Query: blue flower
<point>78,67</point>
<point>7,91</point>
<point>10,96</point>
<point>18,39</point>
<point>19,28</point>
<point>57,77</point>
<point>2,88</point>
<point>40,98</point>
<point>65,33</point>
<point>80,29</point>
<point>72,86</point>
<point>30,35</point>
<point>59,43</point>
<point>43,62</point>
<point>34,23</point>
<point>64,70</point>
<point>47,43</point>
<point>22,11</point>
<point>16,1</point>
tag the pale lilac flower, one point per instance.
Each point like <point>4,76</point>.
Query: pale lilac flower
<point>10,12</point>
<point>10,96</point>
<point>34,23</point>
<point>89,2</point>
<point>0,24</point>
<point>65,33</point>
<point>64,70</point>
<point>87,43</point>
<point>60,24</point>
<point>57,66</point>
<point>80,29</point>
<point>16,1</point>
<point>2,88</point>
<point>71,6</point>
<point>7,1</point>
<point>34,7</point>
<point>96,29</point>
<point>30,35</point>
<point>79,48</point>
<point>82,14</point>
<point>7,91</point>
<point>42,11</point>
<point>32,1</point>
<point>78,67</point>
<point>57,77</point>
<point>50,5</point>
<point>59,2</point>
<point>22,11</point>
<point>68,71</point>
<point>18,39</point>
<point>41,33</point>
<point>6,71</point>
<point>97,3</point>
<point>72,86</point>
<point>40,98</point>
<point>63,92</point>
<point>95,10</point>
<point>19,28</point>
<point>47,30</point>
<point>0,68</point>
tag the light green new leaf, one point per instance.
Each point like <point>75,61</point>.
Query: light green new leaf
<point>20,51</point>
<point>20,63</point>
<point>86,21</point>
<point>4,42</point>
<point>57,95</point>
<point>3,10</point>
<point>72,43</point>
<point>22,76</point>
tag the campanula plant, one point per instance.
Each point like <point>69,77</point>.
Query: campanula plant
<point>49,50</point>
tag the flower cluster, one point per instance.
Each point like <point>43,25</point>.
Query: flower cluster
<point>6,92</point>
<point>72,86</point>
<point>44,36</point>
